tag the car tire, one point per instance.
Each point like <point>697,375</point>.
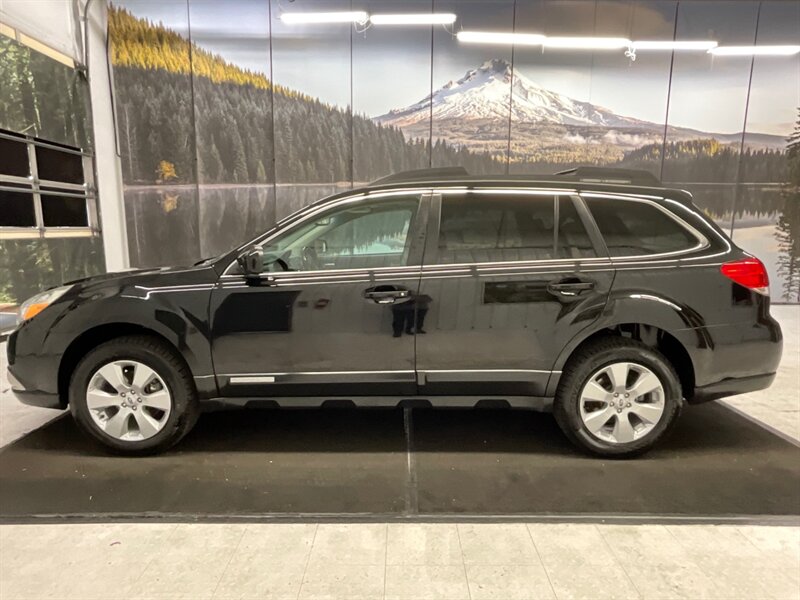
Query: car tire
<point>170,391</point>
<point>587,385</point>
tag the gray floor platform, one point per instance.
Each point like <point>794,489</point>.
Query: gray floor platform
<point>359,462</point>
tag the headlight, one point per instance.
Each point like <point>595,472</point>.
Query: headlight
<point>36,304</point>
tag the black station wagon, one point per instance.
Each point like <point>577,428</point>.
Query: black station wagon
<point>595,293</point>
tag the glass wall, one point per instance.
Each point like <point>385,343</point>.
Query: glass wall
<point>767,201</point>
<point>157,134</point>
<point>312,120</point>
<point>381,146</point>
<point>277,114</point>
<point>477,76</point>
<point>707,106</point>
<point>235,169</point>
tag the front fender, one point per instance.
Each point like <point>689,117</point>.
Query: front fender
<point>176,313</point>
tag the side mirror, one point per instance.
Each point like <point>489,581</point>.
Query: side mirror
<point>252,262</point>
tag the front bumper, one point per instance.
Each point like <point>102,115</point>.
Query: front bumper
<point>33,397</point>
<point>731,387</point>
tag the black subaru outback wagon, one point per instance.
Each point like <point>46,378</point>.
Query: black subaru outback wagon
<point>597,294</point>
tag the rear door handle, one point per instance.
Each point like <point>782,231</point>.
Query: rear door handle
<point>385,294</point>
<point>569,287</point>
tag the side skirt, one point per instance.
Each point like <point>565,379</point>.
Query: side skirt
<point>540,404</point>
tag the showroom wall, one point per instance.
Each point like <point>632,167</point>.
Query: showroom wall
<point>230,119</point>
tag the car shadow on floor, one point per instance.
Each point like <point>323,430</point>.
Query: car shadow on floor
<point>709,428</point>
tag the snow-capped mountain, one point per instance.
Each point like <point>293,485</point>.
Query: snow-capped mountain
<point>473,112</point>
<point>483,93</point>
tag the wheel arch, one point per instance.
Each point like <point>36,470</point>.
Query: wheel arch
<point>95,336</point>
<point>653,335</point>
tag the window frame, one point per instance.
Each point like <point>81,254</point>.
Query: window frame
<point>702,240</point>
<point>36,188</point>
<point>416,233</point>
<point>431,258</point>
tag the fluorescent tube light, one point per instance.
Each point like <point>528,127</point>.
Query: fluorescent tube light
<point>586,43</point>
<point>499,37</point>
<point>755,50</point>
<point>673,45</point>
<point>358,16</point>
<point>414,19</point>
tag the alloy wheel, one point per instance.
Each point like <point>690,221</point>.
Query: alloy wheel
<point>128,400</point>
<point>622,402</point>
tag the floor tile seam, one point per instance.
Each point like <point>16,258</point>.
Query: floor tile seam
<point>463,561</point>
<point>230,559</point>
<point>618,561</point>
<point>308,561</point>
<point>541,561</point>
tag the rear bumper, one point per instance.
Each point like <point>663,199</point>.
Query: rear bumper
<point>732,359</point>
<point>731,387</point>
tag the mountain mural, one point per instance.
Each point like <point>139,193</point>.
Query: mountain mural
<point>470,111</point>
<point>483,93</point>
<point>168,86</point>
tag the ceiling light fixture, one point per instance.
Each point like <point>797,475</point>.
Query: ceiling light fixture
<point>358,16</point>
<point>755,50</point>
<point>414,19</point>
<point>500,37</point>
<point>673,45</point>
<point>586,43</point>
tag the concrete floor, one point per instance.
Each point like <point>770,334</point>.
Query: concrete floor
<point>411,560</point>
<point>512,561</point>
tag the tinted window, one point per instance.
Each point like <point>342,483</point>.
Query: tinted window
<point>487,228</point>
<point>13,158</point>
<point>573,240</point>
<point>64,211</point>
<point>630,228</point>
<point>16,209</point>
<point>366,235</point>
<point>55,165</point>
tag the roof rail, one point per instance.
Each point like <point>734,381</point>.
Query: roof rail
<point>611,175</point>
<point>422,174</point>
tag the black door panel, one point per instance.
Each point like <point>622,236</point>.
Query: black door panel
<point>496,326</point>
<point>323,337</point>
<point>325,331</point>
<point>503,329</point>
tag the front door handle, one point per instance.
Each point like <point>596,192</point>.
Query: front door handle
<point>569,287</point>
<point>385,294</point>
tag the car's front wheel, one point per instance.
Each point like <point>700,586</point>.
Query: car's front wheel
<point>134,395</point>
<point>617,397</point>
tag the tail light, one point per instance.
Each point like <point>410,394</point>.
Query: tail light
<point>748,272</point>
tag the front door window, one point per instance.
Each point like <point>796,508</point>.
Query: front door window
<point>354,236</point>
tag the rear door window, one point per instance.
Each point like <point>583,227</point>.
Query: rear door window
<point>635,228</point>
<point>479,228</point>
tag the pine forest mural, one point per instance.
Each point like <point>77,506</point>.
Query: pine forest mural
<point>215,150</point>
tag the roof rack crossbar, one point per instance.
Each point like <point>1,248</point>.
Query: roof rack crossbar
<point>422,175</point>
<point>611,175</point>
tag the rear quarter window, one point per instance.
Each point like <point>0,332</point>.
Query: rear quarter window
<point>633,228</point>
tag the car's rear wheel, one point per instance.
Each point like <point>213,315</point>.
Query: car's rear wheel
<point>134,395</point>
<point>617,397</point>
